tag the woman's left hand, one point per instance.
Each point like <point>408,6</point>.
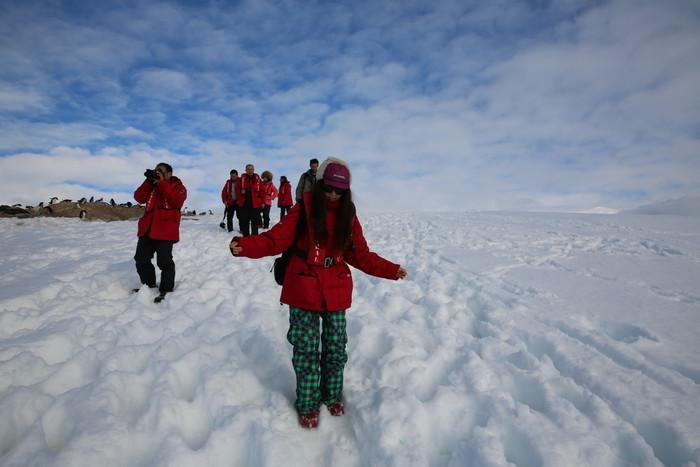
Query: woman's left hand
<point>401,273</point>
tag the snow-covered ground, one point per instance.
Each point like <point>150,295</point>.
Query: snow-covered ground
<point>518,339</point>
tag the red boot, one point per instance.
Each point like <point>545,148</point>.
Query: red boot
<point>309,420</point>
<point>336,409</point>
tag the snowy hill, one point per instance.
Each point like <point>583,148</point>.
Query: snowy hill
<point>518,339</point>
<point>600,210</point>
<point>686,206</point>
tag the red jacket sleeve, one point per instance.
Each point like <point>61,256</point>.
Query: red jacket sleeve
<point>365,260</point>
<point>142,193</point>
<point>274,191</point>
<point>274,241</point>
<point>226,194</point>
<point>174,193</point>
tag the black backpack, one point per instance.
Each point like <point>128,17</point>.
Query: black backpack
<point>279,267</point>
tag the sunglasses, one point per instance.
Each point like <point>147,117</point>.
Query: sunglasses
<point>330,189</point>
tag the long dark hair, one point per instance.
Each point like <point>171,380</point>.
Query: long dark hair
<point>343,226</point>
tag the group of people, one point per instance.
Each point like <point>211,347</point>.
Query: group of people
<point>250,196</point>
<point>320,235</point>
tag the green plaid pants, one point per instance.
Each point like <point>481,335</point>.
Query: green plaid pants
<point>319,376</point>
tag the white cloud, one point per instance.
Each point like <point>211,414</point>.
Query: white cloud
<point>69,172</point>
<point>131,132</point>
<point>163,84</point>
<point>15,134</point>
<point>16,99</point>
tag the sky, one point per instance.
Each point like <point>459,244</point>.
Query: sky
<point>459,105</point>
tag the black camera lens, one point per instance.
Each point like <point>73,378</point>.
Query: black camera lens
<point>150,174</point>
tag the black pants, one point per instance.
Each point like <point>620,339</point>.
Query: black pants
<point>284,210</point>
<point>145,248</point>
<point>230,211</point>
<point>248,219</point>
<point>266,216</point>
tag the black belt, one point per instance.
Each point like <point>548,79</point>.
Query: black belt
<point>328,261</point>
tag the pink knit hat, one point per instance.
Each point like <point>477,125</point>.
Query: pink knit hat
<point>335,172</point>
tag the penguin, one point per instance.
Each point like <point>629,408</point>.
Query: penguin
<point>92,199</point>
<point>111,202</point>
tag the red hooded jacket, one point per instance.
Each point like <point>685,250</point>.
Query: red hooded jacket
<point>163,201</point>
<point>269,193</point>
<point>285,195</point>
<point>251,184</point>
<point>308,284</point>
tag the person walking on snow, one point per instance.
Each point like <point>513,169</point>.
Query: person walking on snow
<point>285,201</point>
<point>159,227</point>
<point>249,201</point>
<point>318,283</point>
<point>269,191</point>
<point>229,198</point>
<point>307,180</point>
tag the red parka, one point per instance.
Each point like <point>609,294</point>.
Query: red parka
<point>308,284</point>
<point>226,192</point>
<point>250,184</point>
<point>163,200</point>
<point>285,195</point>
<point>269,193</point>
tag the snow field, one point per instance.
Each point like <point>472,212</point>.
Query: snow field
<point>518,339</point>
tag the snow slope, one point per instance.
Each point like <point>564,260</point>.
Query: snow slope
<point>518,339</point>
<point>685,206</point>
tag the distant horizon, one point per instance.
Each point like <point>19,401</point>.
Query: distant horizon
<point>671,205</point>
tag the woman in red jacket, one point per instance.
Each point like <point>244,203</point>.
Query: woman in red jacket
<point>325,236</point>
<point>285,201</point>
<point>269,191</point>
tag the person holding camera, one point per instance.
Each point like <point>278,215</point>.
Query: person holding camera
<point>159,227</point>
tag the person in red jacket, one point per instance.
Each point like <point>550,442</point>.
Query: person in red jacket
<point>269,194</point>
<point>250,200</point>
<point>159,227</point>
<point>325,236</point>
<point>285,201</point>
<point>228,196</point>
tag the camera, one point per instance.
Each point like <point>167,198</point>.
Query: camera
<point>150,175</point>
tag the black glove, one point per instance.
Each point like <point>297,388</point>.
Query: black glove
<point>150,175</point>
